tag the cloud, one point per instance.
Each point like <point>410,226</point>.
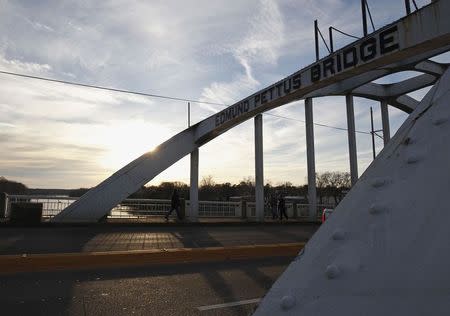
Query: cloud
<point>201,49</point>
<point>260,45</point>
<point>15,65</point>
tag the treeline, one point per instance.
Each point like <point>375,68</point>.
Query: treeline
<point>211,191</point>
<point>331,188</point>
<point>332,184</point>
<point>12,187</point>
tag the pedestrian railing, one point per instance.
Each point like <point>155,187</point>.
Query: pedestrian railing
<point>293,210</point>
<point>51,205</point>
<point>142,208</point>
<point>217,209</point>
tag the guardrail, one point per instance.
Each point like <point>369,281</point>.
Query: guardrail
<point>293,210</point>
<point>142,208</point>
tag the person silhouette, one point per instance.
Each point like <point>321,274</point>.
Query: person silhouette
<point>282,207</point>
<point>174,205</point>
<point>273,205</point>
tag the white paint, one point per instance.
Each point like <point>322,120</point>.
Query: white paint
<point>231,304</point>
<point>395,262</point>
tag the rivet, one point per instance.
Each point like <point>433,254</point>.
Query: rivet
<point>300,254</point>
<point>412,159</point>
<point>408,141</point>
<point>439,120</point>
<point>338,235</point>
<point>376,208</point>
<point>287,302</point>
<point>378,182</point>
<point>332,271</point>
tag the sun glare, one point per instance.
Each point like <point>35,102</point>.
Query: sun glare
<point>126,141</point>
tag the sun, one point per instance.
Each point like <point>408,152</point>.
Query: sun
<point>124,141</point>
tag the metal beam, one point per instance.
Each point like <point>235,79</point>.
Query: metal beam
<point>385,122</point>
<point>347,85</point>
<point>351,139</point>
<point>384,91</point>
<point>193,189</point>
<point>431,67</point>
<point>404,102</point>
<point>312,195</point>
<point>396,93</point>
<point>259,169</point>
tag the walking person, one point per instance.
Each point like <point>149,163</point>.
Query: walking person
<point>273,206</point>
<point>174,205</point>
<point>282,207</point>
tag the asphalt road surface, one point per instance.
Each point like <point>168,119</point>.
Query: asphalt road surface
<point>201,289</point>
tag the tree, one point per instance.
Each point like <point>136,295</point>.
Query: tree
<point>332,184</point>
<point>207,181</point>
<point>12,187</point>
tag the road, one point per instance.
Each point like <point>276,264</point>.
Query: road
<point>161,290</point>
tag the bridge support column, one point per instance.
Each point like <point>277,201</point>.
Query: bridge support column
<point>193,189</point>
<point>259,169</point>
<point>312,195</point>
<point>385,122</point>
<point>351,139</point>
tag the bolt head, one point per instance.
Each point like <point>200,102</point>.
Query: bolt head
<point>332,271</point>
<point>287,302</point>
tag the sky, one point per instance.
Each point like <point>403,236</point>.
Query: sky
<point>54,135</point>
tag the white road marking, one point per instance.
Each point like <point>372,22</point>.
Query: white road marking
<point>224,305</point>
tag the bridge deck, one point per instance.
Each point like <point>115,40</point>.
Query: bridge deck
<point>104,238</point>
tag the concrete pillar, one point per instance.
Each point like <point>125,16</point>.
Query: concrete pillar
<point>312,195</point>
<point>385,122</point>
<point>259,168</point>
<point>193,190</point>
<point>351,139</point>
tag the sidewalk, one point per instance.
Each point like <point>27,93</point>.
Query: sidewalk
<point>107,237</point>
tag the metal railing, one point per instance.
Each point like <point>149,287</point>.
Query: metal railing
<point>293,210</point>
<point>217,208</point>
<point>142,208</point>
<point>51,205</point>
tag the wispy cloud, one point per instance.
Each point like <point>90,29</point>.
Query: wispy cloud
<point>209,50</point>
<point>260,45</point>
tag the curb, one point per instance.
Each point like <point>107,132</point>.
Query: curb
<point>157,224</point>
<point>10,264</point>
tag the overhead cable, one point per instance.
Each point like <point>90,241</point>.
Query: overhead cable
<point>370,15</point>
<point>324,41</point>
<point>156,96</point>
<point>318,124</point>
<point>107,88</point>
<point>356,37</point>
